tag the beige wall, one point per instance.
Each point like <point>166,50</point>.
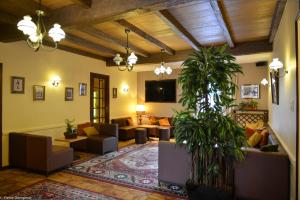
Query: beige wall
<point>253,75</point>
<point>21,113</point>
<point>283,116</point>
<point>157,109</point>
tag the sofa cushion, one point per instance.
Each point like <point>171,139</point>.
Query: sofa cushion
<point>90,131</point>
<point>80,128</point>
<point>256,125</point>
<point>120,121</point>
<point>264,139</point>
<point>164,122</point>
<point>249,132</point>
<point>130,121</point>
<point>254,139</point>
<point>153,120</point>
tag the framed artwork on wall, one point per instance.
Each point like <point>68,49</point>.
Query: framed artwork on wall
<point>250,91</point>
<point>38,93</point>
<point>69,94</point>
<point>115,93</point>
<point>17,85</point>
<point>274,87</point>
<point>82,89</point>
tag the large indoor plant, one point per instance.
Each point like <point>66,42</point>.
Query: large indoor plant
<point>205,126</point>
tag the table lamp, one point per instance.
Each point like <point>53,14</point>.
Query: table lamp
<point>140,110</point>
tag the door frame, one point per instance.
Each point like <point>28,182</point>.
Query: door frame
<point>1,81</point>
<point>297,29</point>
<point>107,88</point>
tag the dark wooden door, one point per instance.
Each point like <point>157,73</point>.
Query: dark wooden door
<point>99,98</point>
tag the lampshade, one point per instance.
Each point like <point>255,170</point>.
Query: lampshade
<point>157,71</point>
<point>275,64</point>
<point>56,33</point>
<point>118,59</point>
<point>140,108</point>
<point>169,70</point>
<point>132,59</point>
<point>27,26</point>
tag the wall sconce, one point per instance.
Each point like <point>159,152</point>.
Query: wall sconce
<point>56,81</point>
<point>125,88</point>
<point>140,110</point>
<point>275,65</point>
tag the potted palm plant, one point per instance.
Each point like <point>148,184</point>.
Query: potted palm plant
<point>213,138</point>
<point>70,130</point>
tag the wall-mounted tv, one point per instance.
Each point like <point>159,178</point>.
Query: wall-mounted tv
<point>160,91</point>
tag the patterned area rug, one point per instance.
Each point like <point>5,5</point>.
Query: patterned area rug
<point>47,189</point>
<point>135,166</point>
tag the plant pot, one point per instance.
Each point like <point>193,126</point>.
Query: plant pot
<point>70,136</point>
<point>205,193</point>
<point>248,108</point>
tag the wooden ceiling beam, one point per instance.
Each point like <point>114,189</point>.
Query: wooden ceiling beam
<point>88,44</point>
<point>108,10</point>
<point>176,26</point>
<point>146,36</point>
<point>83,3</point>
<point>103,36</point>
<point>216,6</point>
<point>280,5</point>
<point>246,48</point>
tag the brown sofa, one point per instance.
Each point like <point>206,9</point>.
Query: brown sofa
<point>174,163</point>
<point>37,153</point>
<point>126,132</point>
<point>106,141</point>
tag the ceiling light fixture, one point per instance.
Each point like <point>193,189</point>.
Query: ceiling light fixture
<point>264,81</point>
<point>130,59</point>
<point>37,32</point>
<point>162,69</point>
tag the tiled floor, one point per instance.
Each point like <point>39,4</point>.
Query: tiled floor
<point>13,179</point>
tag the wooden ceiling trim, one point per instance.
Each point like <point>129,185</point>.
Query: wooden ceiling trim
<point>101,35</point>
<point>8,18</point>
<point>240,49</point>
<point>173,23</point>
<point>108,10</point>
<point>280,5</point>
<point>215,4</point>
<point>83,3</point>
<point>88,44</point>
<point>146,36</point>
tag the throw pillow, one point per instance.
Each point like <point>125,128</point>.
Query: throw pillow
<point>254,139</point>
<point>153,120</point>
<point>90,131</point>
<point>257,125</point>
<point>80,128</point>
<point>264,139</point>
<point>164,122</point>
<point>130,121</point>
<point>269,148</point>
<point>249,132</point>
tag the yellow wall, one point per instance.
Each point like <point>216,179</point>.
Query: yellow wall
<point>21,113</point>
<point>283,116</point>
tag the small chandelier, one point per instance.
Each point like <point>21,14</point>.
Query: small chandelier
<point>162,69</point>
<point>37,32</point>
<point>130,59</point>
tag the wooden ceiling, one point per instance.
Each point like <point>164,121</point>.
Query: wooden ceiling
<point>95,28</point>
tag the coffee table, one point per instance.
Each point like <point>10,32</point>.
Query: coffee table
<point>70,141</point>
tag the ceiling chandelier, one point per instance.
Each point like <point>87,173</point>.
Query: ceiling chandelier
<point>162,70</point>
<point>36,32</point>
<point>130,59</point>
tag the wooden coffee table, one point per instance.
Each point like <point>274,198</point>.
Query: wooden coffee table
<point>70,141</point>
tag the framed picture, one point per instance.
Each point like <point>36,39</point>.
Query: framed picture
<point>115,93</point>
<point>38,93</point>
<point>250,91</point>
<point>69,94</point>
<point>274,88</point>
<point>17,85</point>
<point>82,89</point>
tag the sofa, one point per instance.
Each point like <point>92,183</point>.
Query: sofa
<point>35,152</point>
<point>102,143</point>
<point>127,131</point>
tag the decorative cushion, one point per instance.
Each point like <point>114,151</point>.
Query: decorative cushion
<point>130,121</point>
<point>153,120</point>
<point>258,125</point>
<point>164,122</point>
<point>91,131</point>
<point>264,139</point>
<point>249,132</point>
<point>80,128</point>
<point>254,139</point>
<point>269,148</point>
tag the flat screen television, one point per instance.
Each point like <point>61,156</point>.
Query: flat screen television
<point>161,91</point>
